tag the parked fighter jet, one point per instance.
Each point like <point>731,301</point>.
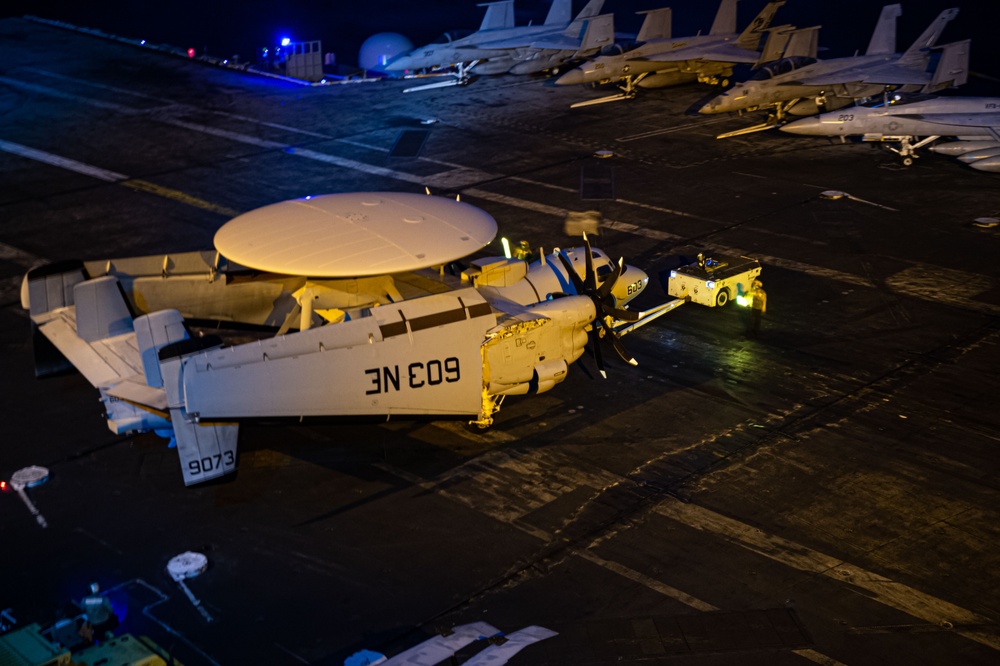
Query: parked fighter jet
<point>804,86</point>
<point>914,124</point>
<point>497,38</point>
<point>661,60</point>
<point>374,339</point>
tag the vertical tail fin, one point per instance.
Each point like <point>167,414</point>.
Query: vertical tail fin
<point>750,37</point>
<point>592,8</point>
<point>44,289</point>
<point>498,15</point>
<point>883,39</point>
<point>207,450</point>
<point>600,32</point>
<point>803,42</point>
<point>725,19</point>
<point>656,25</point>
<point>560,12</point>
<point>929,37</point>
<point>952,68</point>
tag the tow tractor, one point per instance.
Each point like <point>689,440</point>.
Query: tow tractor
<point>714,281</point>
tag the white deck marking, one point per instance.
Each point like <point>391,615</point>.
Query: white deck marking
<point>883,590</point>
<point>63,162</point>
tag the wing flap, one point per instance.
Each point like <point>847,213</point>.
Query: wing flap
<point>134,389</point>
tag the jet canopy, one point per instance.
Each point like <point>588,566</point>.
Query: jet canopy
<point>452,36</point>
<point>783,66</point>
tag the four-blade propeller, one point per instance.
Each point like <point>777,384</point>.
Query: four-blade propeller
<point>604,304</point>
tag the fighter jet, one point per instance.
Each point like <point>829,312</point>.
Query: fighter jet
<point>804,86</point>
<point>661,60</point>
<point>583,38</point>
<point>914,124</point>
<point>374,337</point>
<point>497,37</point>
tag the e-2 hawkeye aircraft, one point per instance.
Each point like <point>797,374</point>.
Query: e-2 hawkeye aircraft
<point>374,337</point>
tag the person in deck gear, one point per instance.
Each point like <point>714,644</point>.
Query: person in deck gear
<point>758,305</point>
<point>523,251</point>
<point>100,616</point>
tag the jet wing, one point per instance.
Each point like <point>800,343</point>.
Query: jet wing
<point>897,75</point>
<point>718,53</point>
<point>885,74</point>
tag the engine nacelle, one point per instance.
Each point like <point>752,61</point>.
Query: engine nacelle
<point>531,353</point>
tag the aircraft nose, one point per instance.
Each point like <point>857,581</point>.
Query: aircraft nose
<point>570,78</point>
<point>712,106</point>
<point>806,126</point>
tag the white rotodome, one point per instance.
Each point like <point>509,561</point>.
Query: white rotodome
<point>379,49</point>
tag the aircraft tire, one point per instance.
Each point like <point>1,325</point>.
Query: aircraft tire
<point>722,298</point>
<point>907,161</point>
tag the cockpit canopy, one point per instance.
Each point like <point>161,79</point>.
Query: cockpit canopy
<point>452,36</point>
<point>782,66</point>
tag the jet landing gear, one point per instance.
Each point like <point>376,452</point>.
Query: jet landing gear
<point>774,119</point>
<point>628,91</point>
<point>461,77</point>
<point>907,149</point>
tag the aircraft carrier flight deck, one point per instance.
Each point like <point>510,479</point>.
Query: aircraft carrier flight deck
<point>827,492</point>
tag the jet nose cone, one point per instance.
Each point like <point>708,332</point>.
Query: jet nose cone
<point>806,126</point>
<point>570,78</point>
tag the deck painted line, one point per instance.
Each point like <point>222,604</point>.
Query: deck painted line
<point>883,590</point>
<point>62,162</point>
<point>109,177</point>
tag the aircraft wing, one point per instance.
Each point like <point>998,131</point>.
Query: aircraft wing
<point>885,74</point>
<point>897,75</point>
<point>718,53</point>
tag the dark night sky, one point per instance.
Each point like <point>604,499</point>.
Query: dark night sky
<point>343,26</point>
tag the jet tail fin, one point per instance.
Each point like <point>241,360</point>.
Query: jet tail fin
<point>750,37</point>
<point>929,37</point>
<point>600,32</point>
<point>883,39</point>
<point>560,12</point>
<point>774,45</point>
<point>952,68</point>
<point>656,25</point>
<point>207,450</point>
<point>498,15</point>
<point>803,42</point>
<point>575,29</point>
<point>592,8</point>
<point>725,19</point>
